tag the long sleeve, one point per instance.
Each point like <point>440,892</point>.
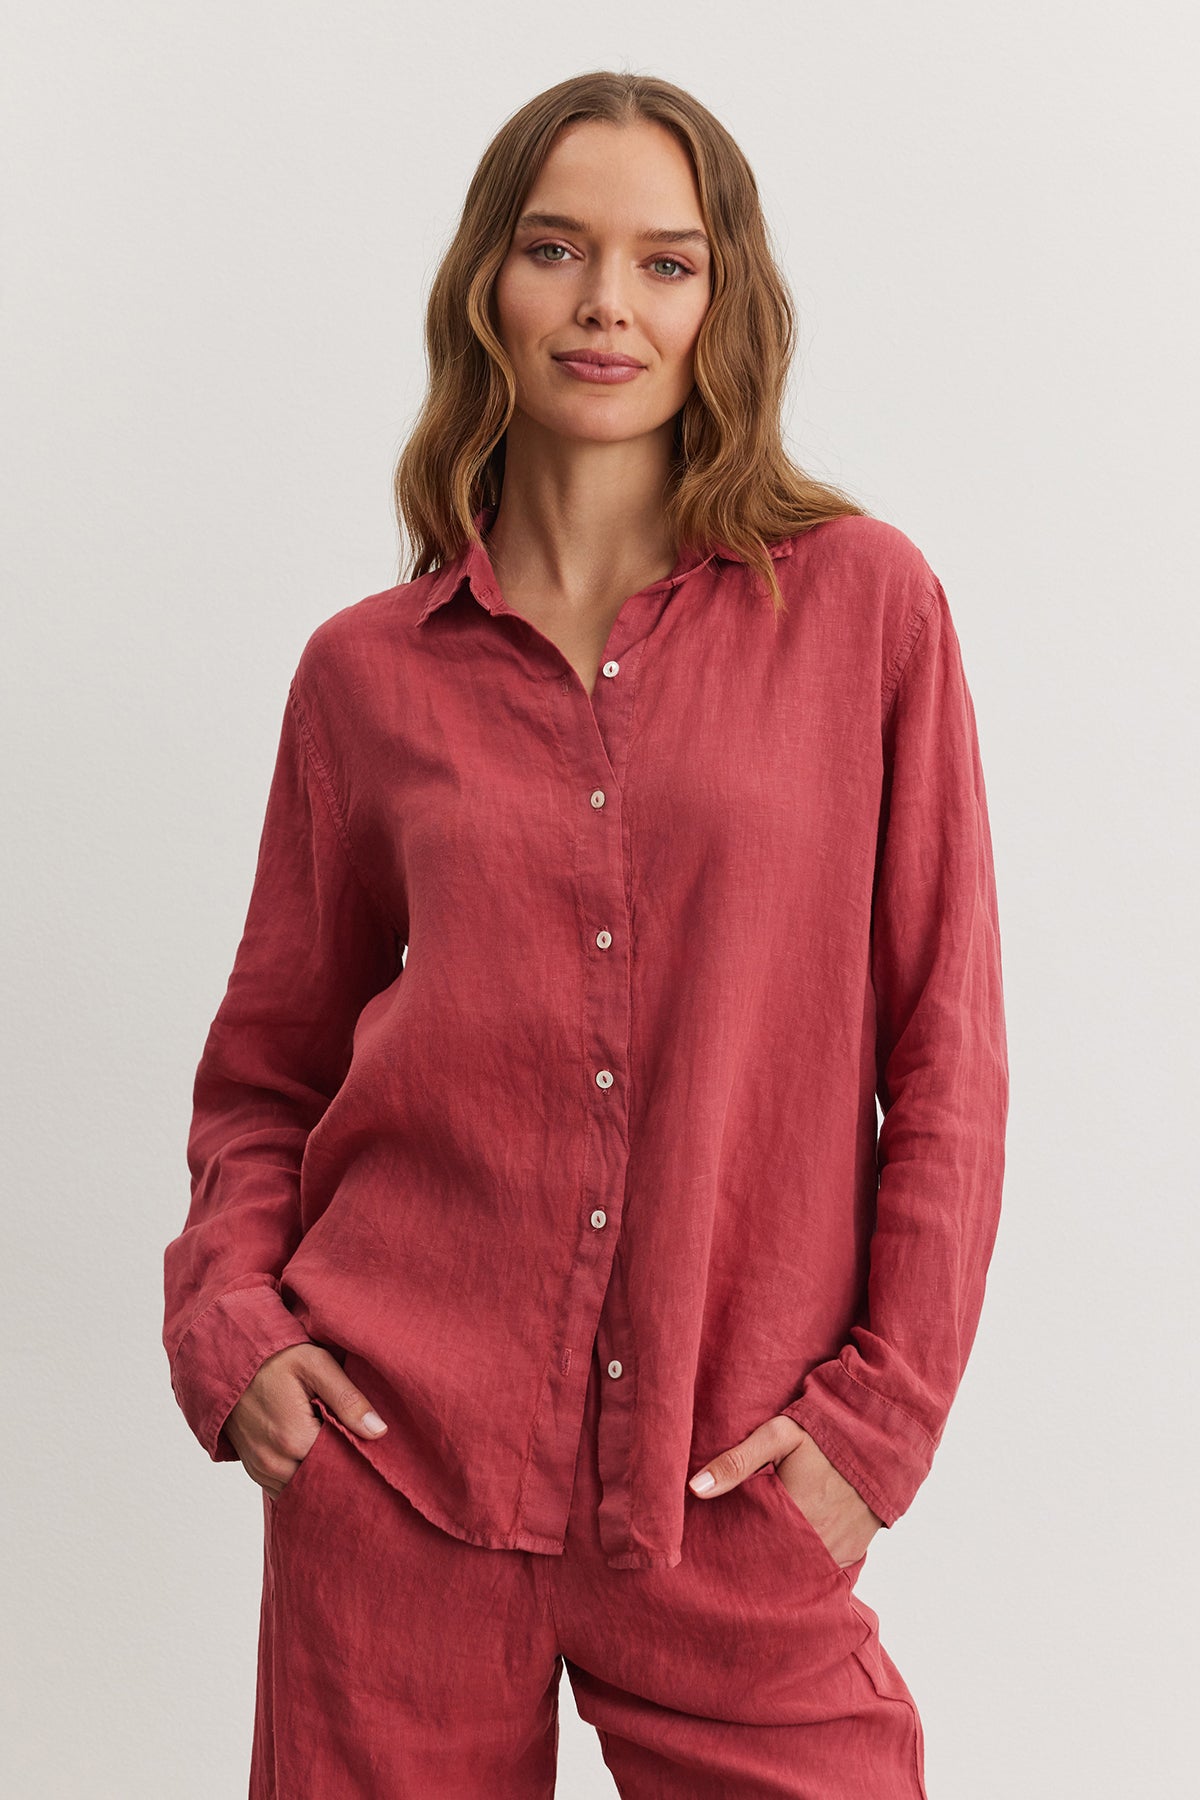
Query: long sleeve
<point>879,1409</point>
<point>314,949</point>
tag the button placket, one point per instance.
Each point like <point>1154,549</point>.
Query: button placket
<point>605,898</point>
<point>594,739</point>
<point>607,1008</point>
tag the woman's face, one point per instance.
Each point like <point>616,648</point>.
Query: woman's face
<point>618,261</point>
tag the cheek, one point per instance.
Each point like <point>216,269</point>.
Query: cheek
<point>678,353</point>
<point>521,306</point>
<point>678,334</point>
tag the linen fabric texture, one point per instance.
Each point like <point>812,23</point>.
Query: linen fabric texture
<point>662,1025</point>
<point>395,1659</point>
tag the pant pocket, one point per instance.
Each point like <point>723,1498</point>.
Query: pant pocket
<point>302,1478</point>
<point>851,1572</point>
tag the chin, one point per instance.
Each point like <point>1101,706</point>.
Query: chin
<point>613,429</point>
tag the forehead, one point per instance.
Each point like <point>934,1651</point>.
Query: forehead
<point>620,178</point>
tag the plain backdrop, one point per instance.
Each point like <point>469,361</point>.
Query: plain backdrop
<point>219,228</point>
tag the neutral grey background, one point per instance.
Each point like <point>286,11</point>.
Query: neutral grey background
<point>219,227</point>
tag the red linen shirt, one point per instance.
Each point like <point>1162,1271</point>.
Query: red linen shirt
<point>559,1020</point>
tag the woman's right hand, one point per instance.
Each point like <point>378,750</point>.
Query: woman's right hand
<point>274,1425</point>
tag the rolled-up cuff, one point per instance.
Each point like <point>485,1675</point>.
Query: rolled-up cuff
<point>879,1447</point>
<point>221,1352</point>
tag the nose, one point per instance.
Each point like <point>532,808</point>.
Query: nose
<point>605,300</point>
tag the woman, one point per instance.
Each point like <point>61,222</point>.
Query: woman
<point>613,864</point>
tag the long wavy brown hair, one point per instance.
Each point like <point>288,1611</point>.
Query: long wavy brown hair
<point>731,480</point>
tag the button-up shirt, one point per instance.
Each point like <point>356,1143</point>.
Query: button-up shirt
<point>662,1024</point>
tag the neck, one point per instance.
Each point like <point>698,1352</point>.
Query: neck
<point>580,518</point>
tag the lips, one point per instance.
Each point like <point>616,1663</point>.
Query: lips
<point>605,359</point>
<point>601,374</point>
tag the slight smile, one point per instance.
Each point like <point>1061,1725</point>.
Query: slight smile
<point>596,366</point>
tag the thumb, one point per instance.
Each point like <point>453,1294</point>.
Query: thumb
<point>731,1468</point>
<point>345,1401</point>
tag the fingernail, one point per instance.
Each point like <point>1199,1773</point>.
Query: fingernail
<point>373,1422</point>
<point>701,1483</point>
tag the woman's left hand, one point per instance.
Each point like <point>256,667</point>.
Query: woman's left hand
<point>834,1508</point>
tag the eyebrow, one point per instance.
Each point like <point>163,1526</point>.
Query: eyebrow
<point>657,235</point>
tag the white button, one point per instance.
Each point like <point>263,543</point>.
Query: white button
<point>614,1367</point>
<point>597,796</point>
<point>599,1218</point>
<point>610,668</point>
<point>604,1078</point>
<point>604,939</point>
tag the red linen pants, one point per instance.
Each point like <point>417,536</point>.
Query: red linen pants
<point>397,1662</point>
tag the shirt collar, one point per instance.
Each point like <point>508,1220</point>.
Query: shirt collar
<point>472,567</point>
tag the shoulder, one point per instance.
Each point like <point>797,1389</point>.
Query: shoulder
<point>869,578</point>
<point>862,555</point>
<point>352,647</point>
